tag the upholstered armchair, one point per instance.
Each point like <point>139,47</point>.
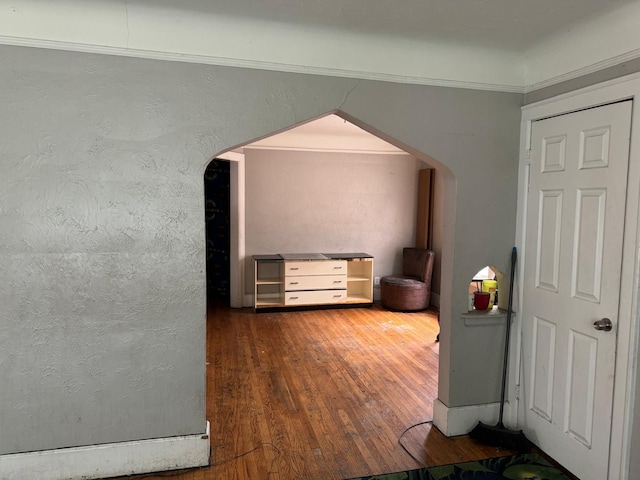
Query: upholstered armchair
<point>412,290</point>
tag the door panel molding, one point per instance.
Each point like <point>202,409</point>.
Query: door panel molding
<point>586,269</point>
<point>549,229</point>
<point>578,417</point>
<point>594,148</point>
<point>554,151</point>
<point>542,364</point>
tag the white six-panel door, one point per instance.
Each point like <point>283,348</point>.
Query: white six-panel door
<point>574,237</point>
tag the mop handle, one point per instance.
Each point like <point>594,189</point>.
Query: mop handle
<point>514,256</point>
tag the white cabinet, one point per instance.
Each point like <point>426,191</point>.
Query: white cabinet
<point>315,297</point>
<point>315,279</point>
<point>360,280</point>
<point>268,281</point>
<point>315,282</point>
<point>315,267</point>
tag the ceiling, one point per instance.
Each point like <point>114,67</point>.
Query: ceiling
<point>500,45</point>
<point>327,134</point>
<point>512,24</point>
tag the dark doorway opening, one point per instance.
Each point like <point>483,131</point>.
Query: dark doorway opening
<point>218,228</point>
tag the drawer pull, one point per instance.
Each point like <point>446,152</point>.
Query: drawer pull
<point>293,283</point>
<point>337,281</point>
<point>293,298</point>
<point>337,296</point>
<point>294,268</point>
<point>337,268</point>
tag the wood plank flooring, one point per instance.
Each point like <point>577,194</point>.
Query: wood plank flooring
<point>323,394</point>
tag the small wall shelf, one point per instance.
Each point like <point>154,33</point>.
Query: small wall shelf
<point>480,318</point>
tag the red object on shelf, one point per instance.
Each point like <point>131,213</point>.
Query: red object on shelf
<point>481,300</point>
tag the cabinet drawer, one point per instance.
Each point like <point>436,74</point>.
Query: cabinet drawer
<point>320,267</point>
<point>316,282</point>
<point>315,297</point>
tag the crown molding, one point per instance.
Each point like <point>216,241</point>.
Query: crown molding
<point>326,150</point>
<point>581,72</point>
<point>315,70</point>
<point>254,64</point>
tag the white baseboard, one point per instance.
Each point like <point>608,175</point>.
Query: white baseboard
<point>247,300</point>
<point>461,420</point>
<point>108,460</point>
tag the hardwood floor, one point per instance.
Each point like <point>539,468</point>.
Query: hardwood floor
<point>323,394</point>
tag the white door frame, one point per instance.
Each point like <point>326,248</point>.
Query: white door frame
<point>627,348</point>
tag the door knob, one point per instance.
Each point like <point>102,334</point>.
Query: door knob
<point>604,324</point>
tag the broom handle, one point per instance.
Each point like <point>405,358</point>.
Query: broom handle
<point>505,364</point>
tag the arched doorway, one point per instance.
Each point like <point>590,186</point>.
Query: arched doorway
<point>360,181</point>
<point>368,142</point>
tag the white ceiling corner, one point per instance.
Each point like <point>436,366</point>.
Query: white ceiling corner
<point>330,133</point>
<point>503,45</point>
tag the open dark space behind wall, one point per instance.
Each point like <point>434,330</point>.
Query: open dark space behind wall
<point>217,217</point>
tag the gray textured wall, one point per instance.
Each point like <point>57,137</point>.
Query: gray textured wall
<point>330,202</point>
<point>102,296</point>
<point>472,137</point>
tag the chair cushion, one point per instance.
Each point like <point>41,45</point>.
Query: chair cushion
<point>408,282</point>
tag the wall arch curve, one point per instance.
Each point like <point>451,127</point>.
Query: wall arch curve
<point>236,157</point>
<point>466,135</point>
<point>138,134</point>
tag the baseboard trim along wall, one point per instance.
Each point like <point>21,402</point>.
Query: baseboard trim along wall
<point>461,420</point>
<point>109,460</point>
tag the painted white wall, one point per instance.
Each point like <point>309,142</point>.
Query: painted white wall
<point>300,202</point>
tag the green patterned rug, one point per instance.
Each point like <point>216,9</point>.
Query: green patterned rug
<point>528,466</point>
